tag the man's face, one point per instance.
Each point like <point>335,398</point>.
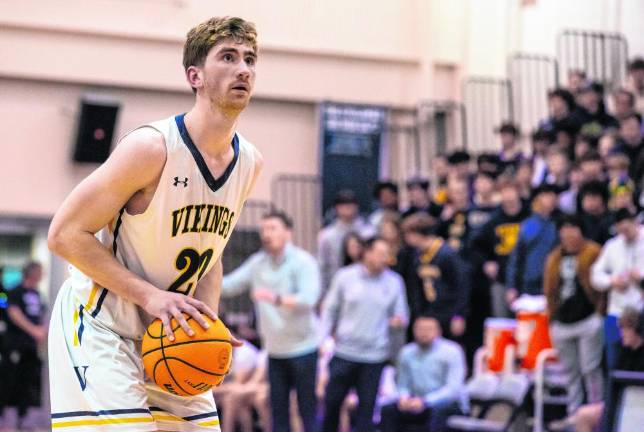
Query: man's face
<point>592,170</point>
<point>458,194</point>
<point>627,228</point>
<point>557,106</point>
<point>547,202</point>
<point>557,164</point>
<point>638,77</point>
<point>346,211</point>
<point>34,276</point>
<point>413,239</point>
<point>593,204</point>
<point>388,199</point>
<point>510,201</point>
<point>589,99</point>
<point>623,104</point>
<point>274,235</point>
<point>570,237</point>
<point>377,257</point>
<point>630,338</point>
<point>418,196</point>
<point>630,131</point>
<point>426,330</point>
<point>484,185</point>
<point>227,76</point>
<point>507,140</point>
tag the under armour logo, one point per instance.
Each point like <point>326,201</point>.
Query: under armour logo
<point>184,182</point>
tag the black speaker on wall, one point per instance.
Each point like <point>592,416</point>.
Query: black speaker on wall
<point>95,129</point>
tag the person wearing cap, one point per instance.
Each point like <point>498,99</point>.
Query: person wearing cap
<point>561,105</point>
<point>440,287</point>
<point>537,237</point>
<point>592,207</point>
<point>510,154</point>
<point>541,141</point>
<point>631,143</point>
<point>386,195</point>
<point>619,271</point>
<point>575,310</point>
<point>635,82</point>
<point>331,238</point>
<point>591,110</point>
<point>418,195</point>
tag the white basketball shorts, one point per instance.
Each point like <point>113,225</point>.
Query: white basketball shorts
<point>97,381</point>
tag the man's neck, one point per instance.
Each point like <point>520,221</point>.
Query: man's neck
<point>211,129</point>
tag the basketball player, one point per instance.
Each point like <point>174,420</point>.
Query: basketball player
<point>145,233</point>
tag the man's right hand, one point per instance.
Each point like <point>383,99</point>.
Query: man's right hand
<point>403,403</point>
<point>619,283</point>
<point>511,295</point>
<point>166,305</point>
<point>491,269</point>
<point>39,334</point>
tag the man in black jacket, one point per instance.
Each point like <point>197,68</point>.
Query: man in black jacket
<point>440,288</point>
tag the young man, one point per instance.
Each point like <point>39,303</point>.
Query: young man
<point>163,206</point>
<point>618,271</point>
<point>537,237</point>
<point>430,379</point>
<point>25,331</point>
<point>575,311</point>
<point>441,286</point>
<point>365,302</point>
<point>284,283</point>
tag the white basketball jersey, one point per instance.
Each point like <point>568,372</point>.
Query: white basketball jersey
<point>181,234</point>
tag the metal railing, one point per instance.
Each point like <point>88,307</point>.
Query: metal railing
<point>300,197</point>
<point>532,76</point>
<point>603,56</point>
<point>488,103</point>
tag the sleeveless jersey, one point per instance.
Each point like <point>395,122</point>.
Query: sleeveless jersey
<point>181,234</point>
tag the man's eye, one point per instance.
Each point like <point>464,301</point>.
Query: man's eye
<point>228,57</point>
<point>250,61</point>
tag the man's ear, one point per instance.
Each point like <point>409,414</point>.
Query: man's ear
<point>194,75</point>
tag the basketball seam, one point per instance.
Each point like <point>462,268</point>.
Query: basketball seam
<point>162,348</point>
<point>194,367</point>
<point>168,367</point>
<point>174,329</point>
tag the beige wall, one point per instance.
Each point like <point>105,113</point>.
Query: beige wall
<point>379,52</point>
<point>36,150</point>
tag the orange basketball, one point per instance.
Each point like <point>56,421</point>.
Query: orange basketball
<point>188,365</point>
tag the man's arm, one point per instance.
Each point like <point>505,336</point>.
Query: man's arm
<point>600,275</point>
<point>134,167</point>
<point>37,332</point>
<point>308,286</point>
<point>331,306</point>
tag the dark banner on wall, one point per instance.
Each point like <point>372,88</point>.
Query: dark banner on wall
<point>351,140</point>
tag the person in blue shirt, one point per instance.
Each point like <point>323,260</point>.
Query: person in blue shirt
<point>430,381</point>
<point>284,283</point>
<point>537,237</point>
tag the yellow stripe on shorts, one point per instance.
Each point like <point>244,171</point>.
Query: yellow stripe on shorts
<point>214,422</point>
<point>74,423</point>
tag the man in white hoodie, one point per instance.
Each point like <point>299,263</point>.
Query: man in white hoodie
<point>620,270</point>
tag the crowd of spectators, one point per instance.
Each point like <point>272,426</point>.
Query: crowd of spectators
<point>560,219</point>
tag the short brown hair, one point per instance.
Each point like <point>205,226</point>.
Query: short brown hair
<point>209,33</point>
<point>631,318</point>
<point>419,223</point>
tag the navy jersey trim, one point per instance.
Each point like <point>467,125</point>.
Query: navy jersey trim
<point>214,183</point>
<point>100,413</point>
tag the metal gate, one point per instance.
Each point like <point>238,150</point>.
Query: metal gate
<point>604,56</point>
